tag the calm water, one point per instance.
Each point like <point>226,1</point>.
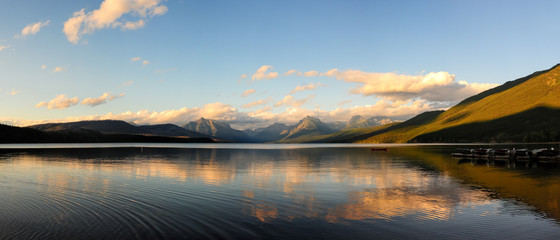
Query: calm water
<point>272,192</point>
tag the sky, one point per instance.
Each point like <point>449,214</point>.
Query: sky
<point>253,63</point>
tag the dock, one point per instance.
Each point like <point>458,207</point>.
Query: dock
<point>506,155</point>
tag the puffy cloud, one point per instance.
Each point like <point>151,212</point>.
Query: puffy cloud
<point>243,76</point>
<point>3,47</point>
<point>311,74</point>
<point>330,73</point>
<point>263,73</point>
<point>59,69</point>
<point>32,29</point>
<point>137,59</point>
<point>60,102</point>
<point>290,101</point>
<point>257,103</point>
<point>101,99</point>
<point>291,72</point>
<point>248,92</point>
<point>306,87</point>
<point>14,92</point>
<point>434,86</point>
<point>133,25</point>
<point>110,14</point>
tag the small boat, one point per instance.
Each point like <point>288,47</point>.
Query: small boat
<point>546,152</point>
<point>520,152</point>
<point>484,151</point>
<point>501,152</point>
<point>379,149</point>
<point>465,150</point>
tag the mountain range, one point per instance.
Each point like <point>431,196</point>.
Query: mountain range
<point>523,110</point>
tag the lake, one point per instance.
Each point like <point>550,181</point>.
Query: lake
<point>271,191</point>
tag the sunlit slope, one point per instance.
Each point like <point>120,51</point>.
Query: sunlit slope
<point>517,106</point>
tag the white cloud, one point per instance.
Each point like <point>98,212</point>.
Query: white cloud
<point>101,99</point>
<point>2,47</point>
<point>263,73</point>
<point>248,92</point>
<point>110,14</point>
<point>32,29</point>
<point>311,74</point>
<point>133,25</point>
<point>434,86</point>
<point>243,76</point>
<point>310,86</point>
<point>257,103</point>
<point>60,102</point>
<point>290,101</point>
<point>144,62</point>
<point>14,92</point>
<point>59,69</point>
<point>291,72</point>
<point>44,67</point>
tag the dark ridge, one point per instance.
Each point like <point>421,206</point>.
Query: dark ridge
<point>104,126</point>
<point>11,134</point>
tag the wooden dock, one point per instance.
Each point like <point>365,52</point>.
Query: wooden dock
<point>522,155</point>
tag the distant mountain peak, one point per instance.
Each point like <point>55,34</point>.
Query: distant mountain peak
<point>309,126</point>
<point>359,121</point>
<point>356,119</point>
<point>217,129</point>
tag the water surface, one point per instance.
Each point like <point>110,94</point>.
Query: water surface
<point>259,191</point>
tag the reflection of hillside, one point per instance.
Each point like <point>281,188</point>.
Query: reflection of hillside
<point>528,185</point>
<point>332,184</point>
<point>381,189</point>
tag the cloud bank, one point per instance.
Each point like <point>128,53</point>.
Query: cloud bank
<point>433,86</point>
<point>238,119</point>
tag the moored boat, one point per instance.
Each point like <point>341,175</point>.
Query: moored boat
<point>379,149</point>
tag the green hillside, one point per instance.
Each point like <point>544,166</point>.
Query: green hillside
<point>521,110</point>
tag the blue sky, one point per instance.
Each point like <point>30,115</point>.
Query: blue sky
<point>153,61</point>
